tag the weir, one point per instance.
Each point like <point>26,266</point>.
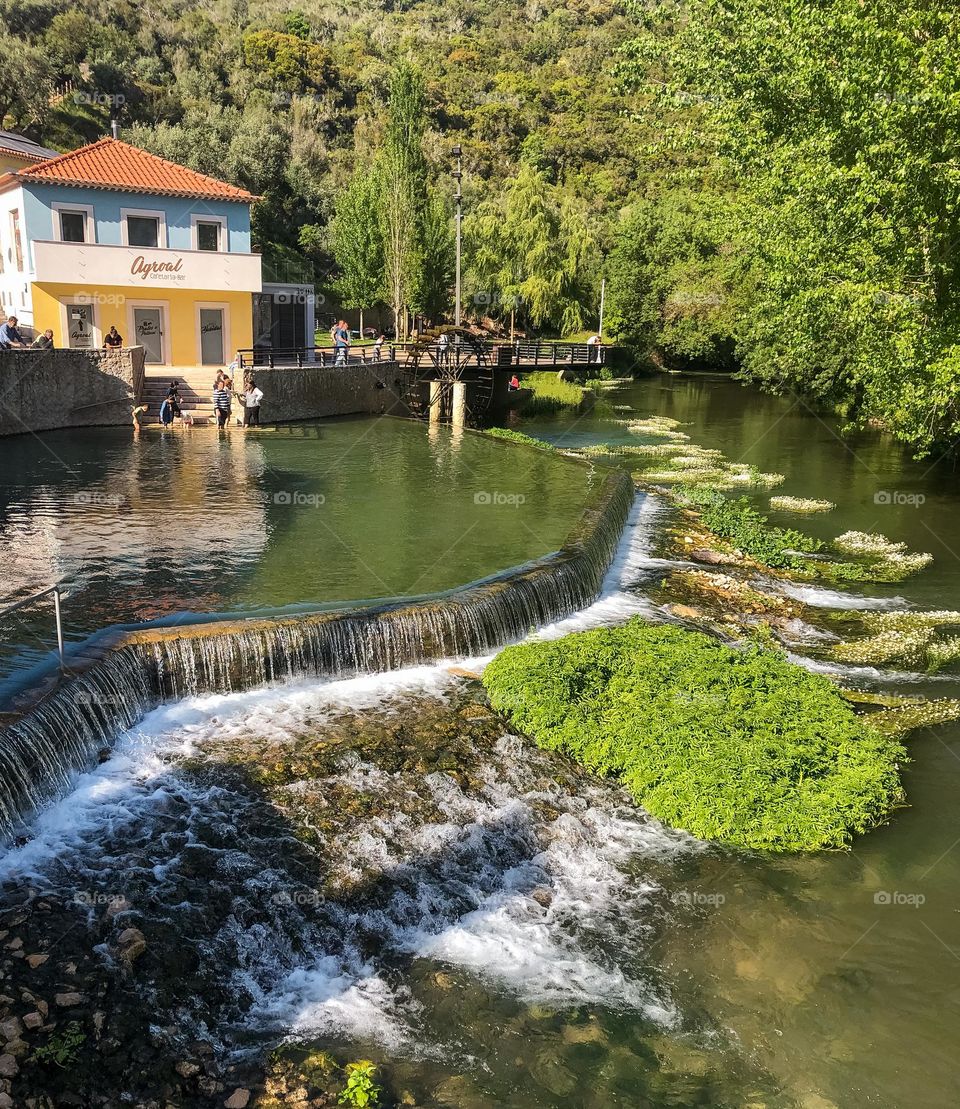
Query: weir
<point>121,674</point>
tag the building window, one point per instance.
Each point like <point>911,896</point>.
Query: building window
<point>143,231</point>
<point>15,232</point>
<point>208,235</point>
<point>73,226</point>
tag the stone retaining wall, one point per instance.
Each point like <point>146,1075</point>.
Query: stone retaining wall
<point>45,389</point>
<point>316,391</point>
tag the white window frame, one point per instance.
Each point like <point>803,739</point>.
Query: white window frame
<point>227,333</point>
<point>146,213</point>
<point>195,219</point>
<point>166,345</point>
<point>89,223</point>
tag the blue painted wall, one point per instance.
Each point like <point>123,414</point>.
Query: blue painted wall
<point>38,214</point>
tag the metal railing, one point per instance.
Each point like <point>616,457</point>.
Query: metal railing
<point>521,353</point>
<point>57,593</point>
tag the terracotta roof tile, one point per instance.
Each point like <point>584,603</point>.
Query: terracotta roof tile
<point>112,164</point>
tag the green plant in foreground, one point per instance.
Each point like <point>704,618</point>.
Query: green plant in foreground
<point>63,1047</point>
<point>360,1090</point>
<point>737,746</point>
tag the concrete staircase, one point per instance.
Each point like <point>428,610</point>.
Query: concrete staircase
<point>196,386</point>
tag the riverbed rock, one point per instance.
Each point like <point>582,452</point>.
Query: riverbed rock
<point>132,944</point>
<point>9,1067</point>
<point>33,1020</point>
<point>686,612</point>
<point>68,1000</point>
<point>34,961</point>
<point>710,558</point>
<point>11,1028</point>
<point>238,1099</point>
<point>186,1069</point>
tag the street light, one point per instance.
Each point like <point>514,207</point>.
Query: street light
<point>457,174</point>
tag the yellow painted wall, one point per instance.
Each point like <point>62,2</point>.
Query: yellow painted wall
<point>112,306</point>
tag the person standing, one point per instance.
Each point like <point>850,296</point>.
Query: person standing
<point>253,395</point>
<point>222,400</point>
<point>443,349</point>
<point>341,343</point>
<point>166,412</point>
<point>112,339</point>
<point>378,347</point>
<point>10,336</point>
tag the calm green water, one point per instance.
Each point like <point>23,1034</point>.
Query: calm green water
<point>175,523</point>
<point>839,976</point>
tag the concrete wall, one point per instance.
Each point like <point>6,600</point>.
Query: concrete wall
<point>292,394</point>
<point>41,390</point>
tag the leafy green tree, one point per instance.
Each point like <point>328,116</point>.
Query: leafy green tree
<point>357,231</point>
<point>529,250</point>
<point>288,62</point>
<point>402,171</point>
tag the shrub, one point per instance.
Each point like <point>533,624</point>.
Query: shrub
<point>551,394</point>
<point>360,1090</point>
<point>737,746</point>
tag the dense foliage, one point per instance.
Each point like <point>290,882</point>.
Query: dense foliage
<point>809,229</point>
<point>292,103</point>
<point>740,747</point>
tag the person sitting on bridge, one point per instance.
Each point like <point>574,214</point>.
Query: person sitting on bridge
<point>112,339</point>
<point>378,347</point>
<point>44,341</point>
<point>514,384</point>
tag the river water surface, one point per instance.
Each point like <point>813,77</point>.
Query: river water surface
<point>374,867</point>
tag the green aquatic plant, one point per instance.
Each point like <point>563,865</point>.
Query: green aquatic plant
<point>800,504</point>
<point>360,1090</point>
<point>63,1047</point>
<point>657,427</point>
<point>910,638</point>
<point>551,393</point>
<point>749,530</point>
<point>738,746</point>
<point>518,437</point>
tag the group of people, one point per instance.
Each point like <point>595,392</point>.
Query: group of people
<point>11,337</point>
<point>249,398</point>
<point>340,337</point>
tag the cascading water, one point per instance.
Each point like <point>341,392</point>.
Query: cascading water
<point>65,731</point>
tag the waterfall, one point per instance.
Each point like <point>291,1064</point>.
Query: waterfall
<point>65,731</point>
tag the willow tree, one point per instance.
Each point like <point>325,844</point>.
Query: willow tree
<point>358,243</point>
<point>402,172</point>
<point>531,252</point>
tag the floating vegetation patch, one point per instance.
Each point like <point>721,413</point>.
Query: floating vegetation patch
<point>551,393</point>
<point>751,532</point>
<point>518,437</point>
<point>657,426</point>
<point>896,722</point>
<point>910,638</point>
<point>800,504</point>
<point>738,746</point>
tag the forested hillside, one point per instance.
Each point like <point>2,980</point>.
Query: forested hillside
<point>768,187</point>
<point>288,102</point>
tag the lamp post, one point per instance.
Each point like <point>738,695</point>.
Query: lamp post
<point>458,197</point>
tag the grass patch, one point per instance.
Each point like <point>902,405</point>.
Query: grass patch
<point>551,394</point>
<point>740,747</point>
<point>518,437</point>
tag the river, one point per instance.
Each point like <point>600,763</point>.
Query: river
<point>374,868</point>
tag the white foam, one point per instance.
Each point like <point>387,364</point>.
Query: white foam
<point>818,597</point>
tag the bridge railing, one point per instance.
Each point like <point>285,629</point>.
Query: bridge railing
<point>520,354</point>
